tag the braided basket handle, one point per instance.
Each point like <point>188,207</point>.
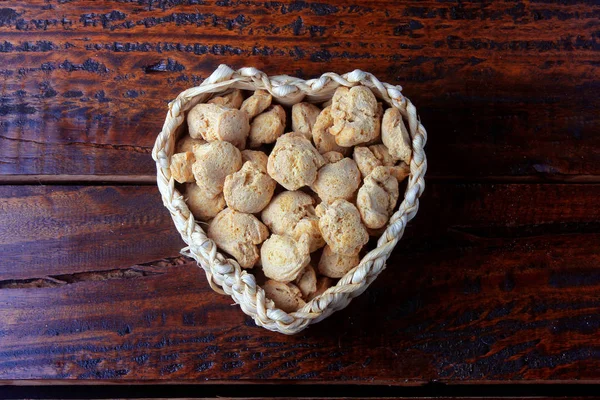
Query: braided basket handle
<point>225,275</point>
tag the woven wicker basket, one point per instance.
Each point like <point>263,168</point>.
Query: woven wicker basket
<point>225,275</point>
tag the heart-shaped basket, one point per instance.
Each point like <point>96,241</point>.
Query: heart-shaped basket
<point>225,275</point>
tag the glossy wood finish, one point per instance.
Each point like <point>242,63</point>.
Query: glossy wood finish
<point>496,279</point>
<point>496,291</point>
<point>507,88</point>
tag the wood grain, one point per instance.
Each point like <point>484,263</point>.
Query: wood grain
<point>496,280</point>
<point>56,230</point>
<point>83,229</point>
<point>504,88</point>
<point>482,313</point>
<point>484,289</point>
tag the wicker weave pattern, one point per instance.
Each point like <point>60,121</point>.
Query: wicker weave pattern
<point>225,275</point>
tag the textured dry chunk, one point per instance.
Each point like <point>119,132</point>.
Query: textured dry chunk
<point>332,157</point>
<point>399,171</point>
<point>304,116</point>
<point>324,141</point>
<point>395,136</point>
<point>309,226</point>
<point>286,296</point>
<point>248,190</point>
<point>203,207</point>
<point>283,258</point>
<point>368,158</point>
<point>286,210</point>
<point>342,227</point>
<point>294,162</point>
<point>307,281</point>
<point>336,265</point>
<point>214,161</point>
<point>257,103</point>
<point>365,160</point>
<point>377,198</point>
<point>381,152</point>
<point>354,113</point>
<point>238,234</point>
<point>323,283</point>
<point>187,143</point>
<point>232,99</point>
<point>378,116</point>
<point>214,122</point>
<point>259,158</point>
<point>267,127</point>
<point>181,167</point>
<point>338,180</point>
<point>293,214</point>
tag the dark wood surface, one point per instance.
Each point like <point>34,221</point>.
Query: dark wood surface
<point>496,280</point>
<point>507,89</point>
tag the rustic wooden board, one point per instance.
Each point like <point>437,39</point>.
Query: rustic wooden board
<point>56,230</point>
<point>505,88</point>
<point>483,288</point>
<point>507,312</point>
<point>82,229</point>
<point>495,281</point>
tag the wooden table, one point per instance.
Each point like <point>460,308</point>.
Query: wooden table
<point>496,281</point>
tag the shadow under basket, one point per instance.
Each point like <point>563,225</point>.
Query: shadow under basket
<point>225,275</point>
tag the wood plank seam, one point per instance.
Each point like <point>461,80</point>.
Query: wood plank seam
<point>135,271</point>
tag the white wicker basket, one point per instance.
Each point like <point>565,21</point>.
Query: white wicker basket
<point>225,275</point>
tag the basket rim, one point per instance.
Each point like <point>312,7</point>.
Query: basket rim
<point>224,274</point>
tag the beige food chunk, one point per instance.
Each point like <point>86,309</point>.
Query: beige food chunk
<point>304,116</point>
<point>395,136</point>
<point>382,153</point>
<point>181,167</point>
<point>368,158</point>
<point>284,258</point>
<point>187,143</point>
<point>203,207</point>
<point>365,160</point>
<point>259,158</point>
<point>324,141</point>
<point>354,113</point>
<point>332,157</point>
<point>238,234</point>
<point>293,214</point>
<point>335,265</point>
<point>214,122</point>
<point>286,210</point>
<point>232,99</point>
<point>323,283</point>
<point>309,226</point>
<point>307,281</point>
<point>377,198</point>
<point>286,296</point>
<point>338,180</point>
<point>342,227</point>
<point>378,116</point>
<point>399,171</point>
<point>249,190</point>
<point>214,161</point>
<point>257,103</point>
<point>294,162</point>
<point>267,127</point>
